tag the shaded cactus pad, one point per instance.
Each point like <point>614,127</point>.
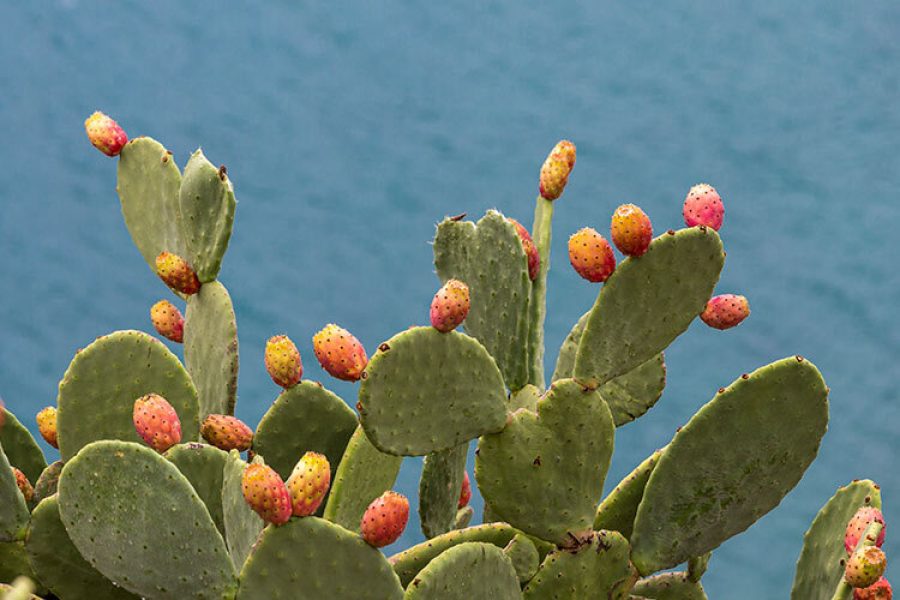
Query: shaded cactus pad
<point>669,586</point>
<point>13,510</point>
<point>242,524</point>
<point>20,448</point>
<point>203,466</point>
<point>470,571</point>
<point>618,509</point>
<point>439,487</point>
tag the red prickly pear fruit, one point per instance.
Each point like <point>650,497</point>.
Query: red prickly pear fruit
<point>531,251</point>
<point>226,433</point>
<point>725,311</point>
<point>46,422</point>
<point>156,422</point>
<point>385,519</point>
<point>857,526</point>
<point>266,493</point>
<point>340,353</point>
<point>591,255</point>
<point>880,590</point>
<point>556,169</point>
<point>168,321</point>
<point>450,306</point>
<point>465,491</point>
<point>308,483</point>
<point>105,134</point>
<point>703,206</point>
<point>283,361</point>
<point>865,566</point>
<point>24,484</point>
<point>631,230</point>
<point>177,273</point>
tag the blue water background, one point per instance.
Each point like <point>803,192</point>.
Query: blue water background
<point>350,129</point>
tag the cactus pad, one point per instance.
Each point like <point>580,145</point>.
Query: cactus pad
<point>20,448</point>
<point>617,511</point>
<point>565,360</point>
<point>670,586</point>
<point>97,393</point>
<point>334,563</point>
<point>545,471</point>
<point>426,391</point>
<point>242,524</point>
<point>13,510</point>
<point>470,571</point>
<point>731,464</point>
<point>524,557</point>
<point>46,484</point>
<point>14,562</point>
<point>138,521</point>
<point>442,476</point>
<point>527,397</point>
<point>648,302</point>
<point>203,466</point>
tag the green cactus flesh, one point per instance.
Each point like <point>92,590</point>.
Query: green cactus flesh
<point>670,586</point>
<point>427,391</point>
<point>242,525</point>
<point>97,393</point>
<point>47,482</point>
<point>14,562</point>
<point>363,474</point>
<point>648,302</point>
<point>13,510</point>
<point>618,509</point>
<point>544,472</point>
<point>469,571</point>
<point>731,464</point>
<point>593,566</point>
<point>819,568</point>
<point>489,258</point>
<point>527,397</point>
<point>203,466</point>
<point>303,418</point>
<point>463,517</point>
<point>20,448</point>
<point>565,359</point>
<point>57,562</point>
<point>211,349</point>
<point>696,566</point>
<point>524,557</point>
<point>206,201</point>
<point>137,520</point>
<point>309,559</point>
<point>439,488</point>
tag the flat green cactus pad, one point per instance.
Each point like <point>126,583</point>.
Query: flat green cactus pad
<point>489,258</point>
<point>439,488</point>
<point>137,520</point>
<point>14,562</point>
<point>544,473</point>
<point>206,201</point>
<point>819,567</point>
<point>524,556</point>
<point>670,586</point>
<point>527,397</point>
<point>46,483</point>
<point>148,184</point>
<point>57,562</point>
<point>648,302</point>
<point>242,525</point>
<point>97,393</point>
<point>427,391</point>
<point>311,559</point>
<point>20,448</point>
<point>731,464</point>
<point>565,360</point>
<point>203,466</point>
<point>618,509</point>
<point>303,418</point>
<point>470,571</point>
<point>595,567</point>
<point>13,510</point>
<point>211,348</point>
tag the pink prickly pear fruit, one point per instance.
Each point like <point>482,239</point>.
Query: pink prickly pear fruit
<point>725,311</point>
<point>531,251</point>
<point>556,170</point>
<point>226,433</point>
<point>283,361</point>
<point>631,230</point>
<point>880,590</point>
<point>703,206</point>
<point>340,353</point>
<point>591,255</point>
<point>168,321</point>
<point>156,422</point>
<point>385,519</point>
<point>105,134</point>
<point>24,484</point>
<point>266,493</point>
<point>177,273</point>
<point>309,483</point>
<point>865,566</point>
<point>857,526</point>
<point>465,491</point>
<point>450,306</point>
<point>46,422</point>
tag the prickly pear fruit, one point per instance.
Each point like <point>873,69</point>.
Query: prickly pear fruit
<point>266,493</point>
<point>703,206</point>
<point>283,361</point>
<point>465,491</point>
<point>385,519</point>
<point>226,433</point>
<point>24,484</point>
<point>556,169</point>
<point>308,483</point>
<point>2,413</point>
<point>177,273</point>
<point>531,251</point>
<point>167,320</point>
<point>105,134</point>
<point>340,353</point>
<point>450,306</point>
<point>865,566</point>
<point>880,590</point>
<point>725,311</point>
<point>156,422</point>
<point>591,255</point>
<point>46,422</point>
<point>631,230</point>
<point>857,526</point>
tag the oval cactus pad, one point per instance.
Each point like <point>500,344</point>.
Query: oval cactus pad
<point>470,571</point>
<point>13,510</point>
<point>242,524</point>
<point>670,586</point>
<point>20,448</point>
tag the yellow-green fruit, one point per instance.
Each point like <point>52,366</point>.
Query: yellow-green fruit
<point>556,169</point>
<point>308,483</point>
<point>177,273</point>
<point>283,361</point>
<point>46,422</point>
